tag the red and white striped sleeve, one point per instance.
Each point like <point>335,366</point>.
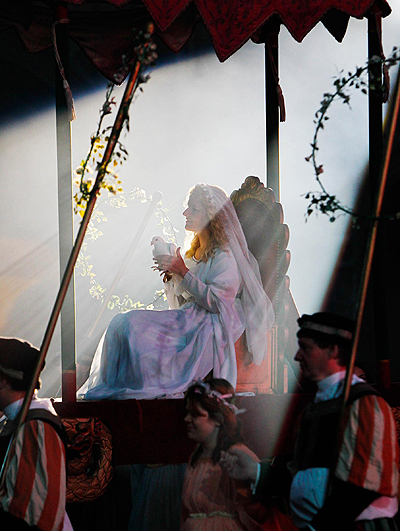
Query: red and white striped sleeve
<point>36,478</point>
<point>369,456</point>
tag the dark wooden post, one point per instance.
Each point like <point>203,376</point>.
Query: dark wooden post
<point>270,36</point>
<point>378,276</point>
<point>65,211</point>
<point>271,104</point>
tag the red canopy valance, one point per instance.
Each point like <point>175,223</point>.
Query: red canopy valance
<point>233,22</point>
<point>103,29</point>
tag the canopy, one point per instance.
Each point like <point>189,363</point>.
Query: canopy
<point>103,29</point>
<point>231,23</point>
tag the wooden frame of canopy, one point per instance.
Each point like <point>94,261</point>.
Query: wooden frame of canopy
<point>273,115</point>
<point>263,26</point>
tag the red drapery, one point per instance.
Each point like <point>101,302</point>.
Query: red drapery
<point>105,36</point>
<point>233,22</point>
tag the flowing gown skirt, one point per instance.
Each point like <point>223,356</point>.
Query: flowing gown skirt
<point>148,353</point>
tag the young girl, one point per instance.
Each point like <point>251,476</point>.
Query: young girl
<point>211,500</point>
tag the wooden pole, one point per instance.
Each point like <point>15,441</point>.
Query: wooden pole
<point>393,119</point>
<point>65,211</point>
<point>119,120</point>
<point>369,255</point>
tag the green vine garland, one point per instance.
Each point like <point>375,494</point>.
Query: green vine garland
<point>323,201</point>
<point>85,268</point>
<point>144,51</point>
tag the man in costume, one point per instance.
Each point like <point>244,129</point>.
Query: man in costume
<point>34,491</point>
<point>362,494</point>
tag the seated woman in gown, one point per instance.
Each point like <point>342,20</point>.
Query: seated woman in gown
<point>211,500</point>
<point>214,295</point>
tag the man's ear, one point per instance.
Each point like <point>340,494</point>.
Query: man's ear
<point>333,351</point>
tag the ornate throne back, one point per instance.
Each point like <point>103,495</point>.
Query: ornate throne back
<point>267,237</point>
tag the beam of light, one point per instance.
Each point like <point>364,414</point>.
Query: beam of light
<point>196,121</point>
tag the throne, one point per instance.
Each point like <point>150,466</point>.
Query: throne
<point>267,236</point>
<point>261,217</point>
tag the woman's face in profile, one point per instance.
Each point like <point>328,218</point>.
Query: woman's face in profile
<point>195,214</point>
<point>201,428</point>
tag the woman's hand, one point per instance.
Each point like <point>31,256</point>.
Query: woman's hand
<point>172,264</point>
<point>239,465</point>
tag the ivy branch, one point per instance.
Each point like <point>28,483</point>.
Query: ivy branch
<point>322,200</point>
<point>86,269</point>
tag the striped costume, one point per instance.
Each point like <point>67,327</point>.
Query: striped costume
<point>368,456</point>
<point>36,478</point>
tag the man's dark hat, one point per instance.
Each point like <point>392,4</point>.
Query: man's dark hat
<point>18,358</point>
<point>326,326</point>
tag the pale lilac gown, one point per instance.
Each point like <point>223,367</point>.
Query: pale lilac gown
<point>148,353</point>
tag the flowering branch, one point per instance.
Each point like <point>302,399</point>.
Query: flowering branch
<point>143,55</point>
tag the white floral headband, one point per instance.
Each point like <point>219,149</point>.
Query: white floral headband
<point>217,395</point>
<point>216,203</point>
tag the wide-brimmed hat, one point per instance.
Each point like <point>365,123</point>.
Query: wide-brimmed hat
<point>326,326</point>
<point>18,358</point>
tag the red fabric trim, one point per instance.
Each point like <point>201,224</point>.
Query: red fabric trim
<point>164,12</point>
<point>117,3</point>
<point>364,441</point>
<point>54,461</point>
<point>26,471</point>
<point>389,455</point>
<point>374,453</point>
<point>181,29</point>
<point>232,22</point>
<point>105,37</point>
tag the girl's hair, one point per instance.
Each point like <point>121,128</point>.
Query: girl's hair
<point>216,224</point>
<point>220,408</point>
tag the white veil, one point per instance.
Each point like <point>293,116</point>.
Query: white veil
<point>257,307</point>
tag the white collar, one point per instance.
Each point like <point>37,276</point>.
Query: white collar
<point>331,387</point>
<point>11,411</point>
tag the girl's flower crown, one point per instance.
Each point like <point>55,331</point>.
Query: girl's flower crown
<point>221,399</point>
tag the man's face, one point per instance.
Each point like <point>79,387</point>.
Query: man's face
<point>315,362</point>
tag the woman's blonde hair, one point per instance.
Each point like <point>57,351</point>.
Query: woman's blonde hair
<point>217,235</point>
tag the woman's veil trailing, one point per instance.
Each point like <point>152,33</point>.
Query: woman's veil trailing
<point>257,308</point>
